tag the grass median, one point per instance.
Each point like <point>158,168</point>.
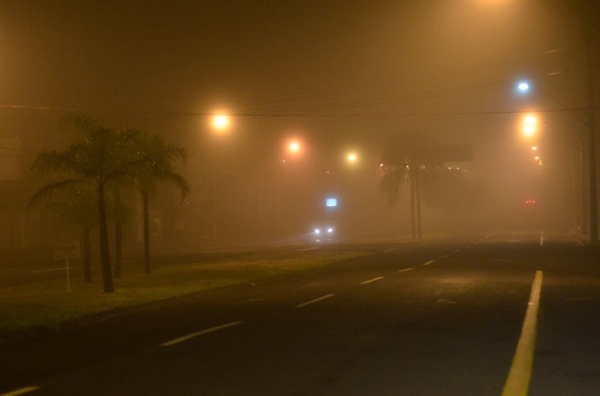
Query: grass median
<point>45,305</point>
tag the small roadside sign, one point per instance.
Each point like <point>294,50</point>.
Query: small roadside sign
<point>67,251</point>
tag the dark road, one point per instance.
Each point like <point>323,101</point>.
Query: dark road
<point>441,318</point>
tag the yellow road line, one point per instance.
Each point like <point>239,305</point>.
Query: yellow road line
<point>21,391</point>
<point>517,383</point>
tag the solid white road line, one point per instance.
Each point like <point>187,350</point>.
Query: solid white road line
<point>310,248</point>
<point>314,301</point>
<point>21,391</point>
<point>372,280</point>
<point>429,262</point>
<point>542,239</point>
<point>187,337</point>
<point>519,375</point>
<point>579,240</point>
<point>406,269</point>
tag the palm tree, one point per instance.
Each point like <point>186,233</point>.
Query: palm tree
<point>93,161</point>
<point>158,167</point>
<point>405,160</point>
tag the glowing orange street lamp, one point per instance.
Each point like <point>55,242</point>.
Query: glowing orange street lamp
<point>221,122</point>
<point>294,147</point>
<point>529,125</point>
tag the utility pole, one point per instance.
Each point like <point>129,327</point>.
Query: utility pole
<point>592,148</point>
<point>591,33</point>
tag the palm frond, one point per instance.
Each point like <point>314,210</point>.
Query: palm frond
<point>392,182</point>
<point>177,180</point>
<point>52,188</point>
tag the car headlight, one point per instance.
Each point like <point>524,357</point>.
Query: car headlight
<point>330,230</point>
<point>317,231</point>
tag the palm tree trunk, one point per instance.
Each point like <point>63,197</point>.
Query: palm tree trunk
<point>87,255</point>
<point>412,207</point>
<point>118,235</point>
<point>104,249</point>
<point>145,200</point>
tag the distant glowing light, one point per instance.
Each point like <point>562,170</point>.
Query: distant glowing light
<point>331,202</point>
<point>530,120</point>
<point>352,157</point>
<point>534,148</point>
<point>537,157</point>
<point>317,231</point>
<point>523,86</point>
<point>529,125</point>
<point>221,122</point>
<point>294,147</point>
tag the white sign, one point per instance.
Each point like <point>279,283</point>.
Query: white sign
<point>67,251</point>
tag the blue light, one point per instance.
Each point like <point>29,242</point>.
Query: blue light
<point>331,202</point>
<point>523,86</point>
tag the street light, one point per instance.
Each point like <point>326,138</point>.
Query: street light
<point>352,158</point>
<point>523,86</point>
<point>294,147</point>
<point>221,122</point>
<point>529,125</point>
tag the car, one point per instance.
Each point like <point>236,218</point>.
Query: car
<point>325,231</point>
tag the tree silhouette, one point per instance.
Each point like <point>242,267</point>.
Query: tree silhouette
<point>158,168</point>
<point>406,159</point>
<point>94,161</point>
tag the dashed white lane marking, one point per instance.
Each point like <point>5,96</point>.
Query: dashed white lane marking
<point>429,262</point>
<point>310,248</point>
<point>468,246</point>
<point>187,337</point>
<point>372,280</point>
<point>457,251</point>
<point>583,298</point>
<point>542,238</point>
<point>406,269</point>
<point>519,375</point>
<point>579,240</point>
<point>21,391</point>
<point>446,256</point>
<point>314,301</point>
<point>390,250</point>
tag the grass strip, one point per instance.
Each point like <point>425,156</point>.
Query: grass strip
<point>47,304</point>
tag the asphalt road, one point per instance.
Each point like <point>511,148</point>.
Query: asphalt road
<point>441,318</point>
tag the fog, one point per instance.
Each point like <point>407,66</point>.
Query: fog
<point>337,77</point>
